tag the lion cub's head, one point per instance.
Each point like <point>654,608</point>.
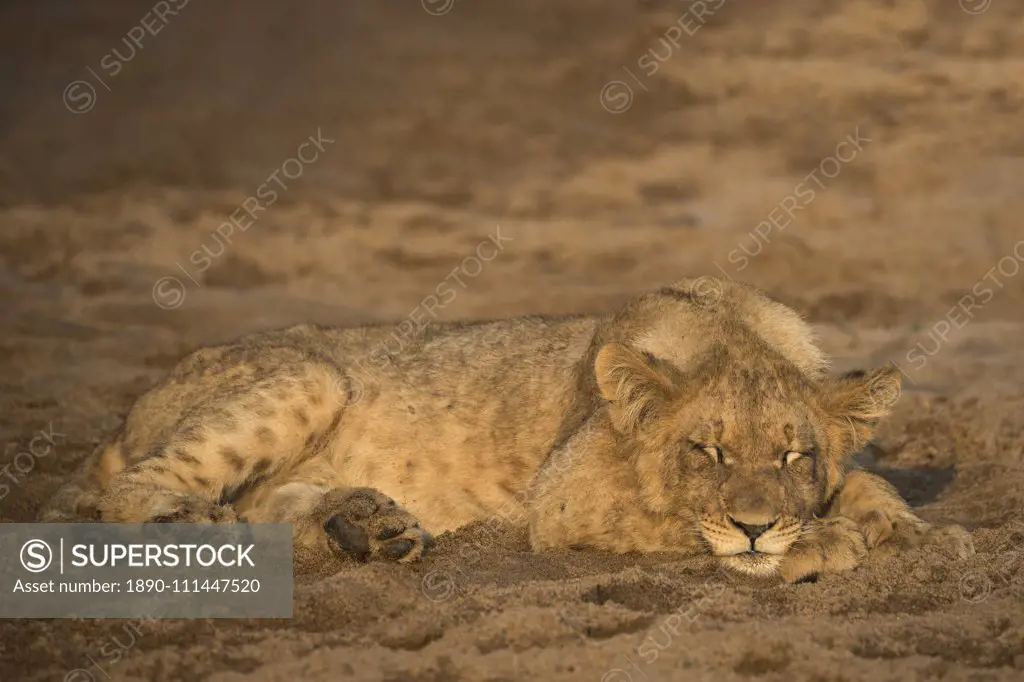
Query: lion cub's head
<point>735,437</point>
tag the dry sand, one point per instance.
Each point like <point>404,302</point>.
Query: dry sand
<point>445,127</point>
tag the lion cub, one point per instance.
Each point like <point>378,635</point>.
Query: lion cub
<point>698,419</point>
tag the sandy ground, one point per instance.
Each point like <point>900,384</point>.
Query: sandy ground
<point>611,172</point>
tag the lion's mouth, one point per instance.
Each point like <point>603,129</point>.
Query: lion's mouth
<point>753,562</point>
<point>750,554</point>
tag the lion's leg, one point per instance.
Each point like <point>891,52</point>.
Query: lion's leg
<point>885,518</point>
<point>74,501</point>
<point>238,438</point>
<point>341,522</point>
<point>867,512</point>
<point>77,500</point>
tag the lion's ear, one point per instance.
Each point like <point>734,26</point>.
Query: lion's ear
<point>632,382</point>
<point>859,400</point>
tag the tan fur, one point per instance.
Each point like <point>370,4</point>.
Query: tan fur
<point>663,427</point>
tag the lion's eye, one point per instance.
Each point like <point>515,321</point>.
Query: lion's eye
<point>793,456</point>
<point>715,453</point>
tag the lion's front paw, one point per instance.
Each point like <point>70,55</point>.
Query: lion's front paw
<point>952,539</point>
<point>364,523</point>
<point>826,546</point>
<point>907,531</point>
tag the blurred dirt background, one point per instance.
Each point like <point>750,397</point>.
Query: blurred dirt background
<point>448,120</point>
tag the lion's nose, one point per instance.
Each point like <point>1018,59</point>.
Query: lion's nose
<point>753,531</point>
